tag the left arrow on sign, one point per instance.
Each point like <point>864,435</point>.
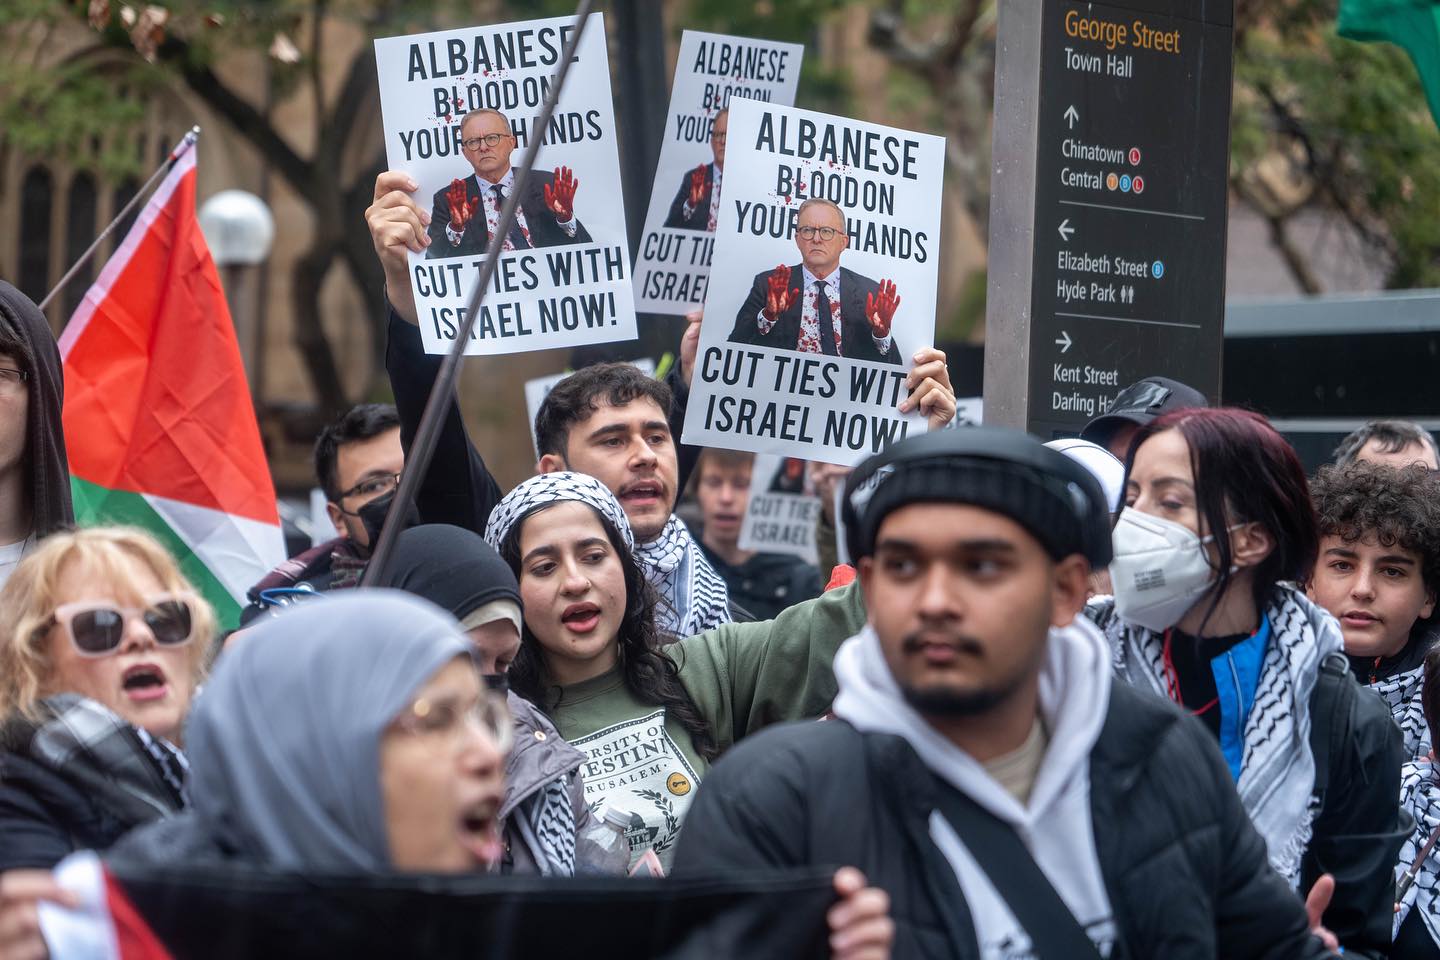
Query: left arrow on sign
<point>1066,231</point>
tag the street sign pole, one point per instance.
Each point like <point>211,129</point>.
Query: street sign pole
<point>1108,205</point>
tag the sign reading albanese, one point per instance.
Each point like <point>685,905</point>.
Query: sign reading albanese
<point>674,263</point>
<point>782,512</point>
<point>1130,203</point>
<point>812,318</point>
<point>563,279</point>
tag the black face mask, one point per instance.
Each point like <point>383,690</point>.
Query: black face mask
<point>496,682</point>
<point>373,514</point>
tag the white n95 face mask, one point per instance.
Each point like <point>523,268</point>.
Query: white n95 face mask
<point>1159,571</point>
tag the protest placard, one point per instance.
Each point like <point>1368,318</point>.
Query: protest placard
<point>563,279</point>
<point>782,511</point>
<point>674,261</point>
<point>808,358</point>
<point>538,389</point>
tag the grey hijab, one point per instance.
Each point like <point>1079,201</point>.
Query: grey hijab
<point>284,742</point>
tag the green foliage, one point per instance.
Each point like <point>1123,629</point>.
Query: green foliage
<point>1356,117</point>
<point>823,88</point>
<point>75,112</point>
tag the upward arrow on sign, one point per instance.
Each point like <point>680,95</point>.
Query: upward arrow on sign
<point>1072,115</point>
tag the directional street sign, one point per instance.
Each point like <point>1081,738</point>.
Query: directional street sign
<point>1107,258</point>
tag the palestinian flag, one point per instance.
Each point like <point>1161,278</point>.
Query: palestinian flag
<point>159,425</point>
<point>1413,25</point>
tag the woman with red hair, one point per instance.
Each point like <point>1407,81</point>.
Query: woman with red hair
<point>1217,529</point>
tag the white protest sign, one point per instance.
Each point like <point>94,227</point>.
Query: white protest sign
<point>563,279</point>
<point>766,379</point>
<point>969,412</point>
<point>538,389</point>
<point>781,514</point>
<point>674,261</point>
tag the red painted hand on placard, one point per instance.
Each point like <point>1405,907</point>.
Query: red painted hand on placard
<point>779,295</point>
<point>561,197</point>
<point>880,309</point>
<point>697,186</point>
<point>461,209</point>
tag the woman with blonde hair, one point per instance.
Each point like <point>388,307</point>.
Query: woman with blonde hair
<point>102,643</point>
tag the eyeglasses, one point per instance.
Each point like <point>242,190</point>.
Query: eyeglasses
<point>442,719</point>
<point>810,233</point>
<point>489,139</point>
<point>10,377</point>
<point>97,627</point>
<point>372,487</point>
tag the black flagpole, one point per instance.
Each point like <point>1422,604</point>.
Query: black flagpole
<point>186,143</point>
<point>417,458</point>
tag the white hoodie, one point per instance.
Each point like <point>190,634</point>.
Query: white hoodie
<point>1055,826</point>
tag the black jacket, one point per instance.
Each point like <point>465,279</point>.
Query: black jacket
<point>544,231</point>
<point>856,341</point>
<point>1185,872</point>
<point>44,817</point>
<point>767,583</point>
<point>699,218</point>
<point>458,489</point>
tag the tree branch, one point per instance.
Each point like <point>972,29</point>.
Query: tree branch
<point>240,113</point>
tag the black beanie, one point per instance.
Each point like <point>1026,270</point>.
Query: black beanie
<point>1054,498</point>
<point>452,567</point>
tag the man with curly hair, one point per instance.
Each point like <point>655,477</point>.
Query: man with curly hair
<point>1378,573</point>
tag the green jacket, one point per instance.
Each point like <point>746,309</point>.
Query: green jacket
<point>745,676</point>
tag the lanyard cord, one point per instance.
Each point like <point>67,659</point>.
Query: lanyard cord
<point>1172,679</point>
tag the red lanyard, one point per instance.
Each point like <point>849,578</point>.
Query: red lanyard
<point>1172,679</point>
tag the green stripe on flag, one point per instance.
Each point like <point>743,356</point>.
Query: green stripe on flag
<point>1413,25</point>
<point>96,506</point>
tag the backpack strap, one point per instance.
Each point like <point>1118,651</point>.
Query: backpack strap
<point>1054,932</point>
<point>1330,709</point>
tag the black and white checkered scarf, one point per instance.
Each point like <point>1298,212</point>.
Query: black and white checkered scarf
<point>547,821</point>
<point>1277,775</point>
<point>692,596</point>
<point>135,776</point>
<point>1401,693</point>
<point>1420,797</point>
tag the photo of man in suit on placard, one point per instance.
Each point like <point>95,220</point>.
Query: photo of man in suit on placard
<point>818,306</point>
<point>466,211</point>
<point>697,202</point>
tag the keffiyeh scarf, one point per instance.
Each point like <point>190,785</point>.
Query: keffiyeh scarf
<point>1420,797</point>
<point>692,597</point>
<point>1401,694</point>
<point>1277,777</point>
<point>136,777</point>
<point>547,821</point>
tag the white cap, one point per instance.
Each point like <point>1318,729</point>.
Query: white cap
<point>1102,466</point>
<point>617,815</point>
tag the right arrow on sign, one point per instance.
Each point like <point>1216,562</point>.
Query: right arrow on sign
<point>1064,341</point>
<point>1072,115</point>
<point>1066,231</point>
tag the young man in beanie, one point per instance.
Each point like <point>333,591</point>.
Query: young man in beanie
<point>1136,406</point>
<point>984,770</point>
